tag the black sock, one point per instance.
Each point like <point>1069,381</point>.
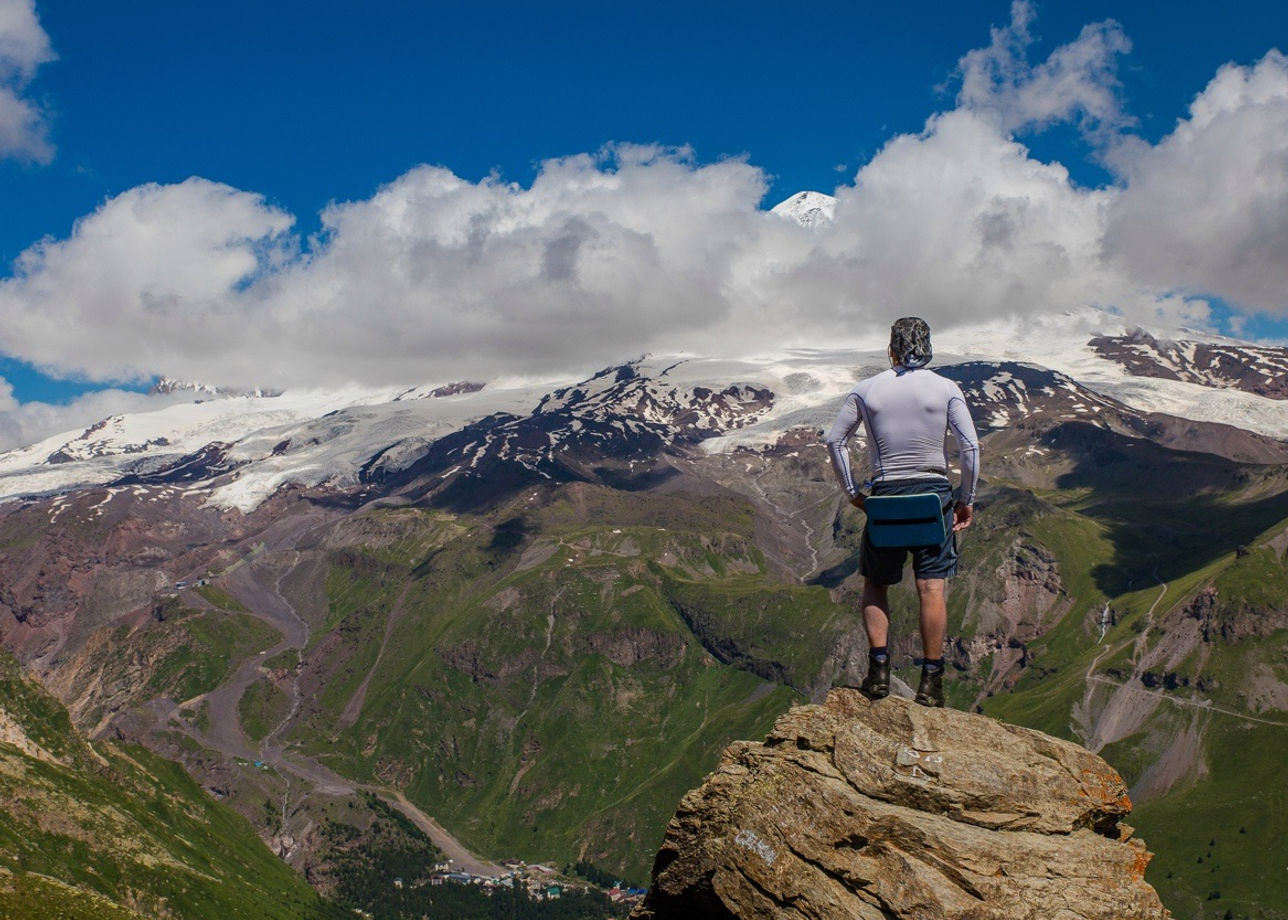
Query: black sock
<point>932,664</point>
<point>879,653</point>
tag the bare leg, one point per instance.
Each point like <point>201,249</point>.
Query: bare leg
<point>876,612</point>
<point>876,620</point>
<point>934,616</point>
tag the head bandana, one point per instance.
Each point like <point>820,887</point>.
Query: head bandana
<point>910,342</point>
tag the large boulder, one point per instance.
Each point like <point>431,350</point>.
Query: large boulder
<point>889,810</point>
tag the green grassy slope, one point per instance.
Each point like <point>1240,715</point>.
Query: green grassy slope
<point>1200,589</point>
<point>1219,840</point>
<point>113,831</point>
<point>549,679</point>
<point>550,684</point>
<point>1221,831</point>
<point>262,708</point>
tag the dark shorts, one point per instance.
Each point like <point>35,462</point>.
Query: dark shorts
<point>884,564</point>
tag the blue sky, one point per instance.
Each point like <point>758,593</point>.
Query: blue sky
<point>288,106</point>
<point>312,102</point>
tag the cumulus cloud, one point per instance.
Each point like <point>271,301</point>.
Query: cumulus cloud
<point>960,222</point>
<point>638,249</point>
<point>150,277</point>
<point>24,46</point>
<point>1077,83</point>
<point>1206,209</point>
<point>436,273</point>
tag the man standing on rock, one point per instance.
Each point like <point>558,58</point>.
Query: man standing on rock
<point>907,411</point>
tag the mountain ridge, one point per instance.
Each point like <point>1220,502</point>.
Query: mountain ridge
<point>243,448</point>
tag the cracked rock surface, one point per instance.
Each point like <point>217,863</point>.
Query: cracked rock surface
<point>888,810</point>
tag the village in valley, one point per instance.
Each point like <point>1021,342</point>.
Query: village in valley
<point>541,882</point>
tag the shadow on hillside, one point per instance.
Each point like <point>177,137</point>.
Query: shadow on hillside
<point>627,481</point>
<point>336,501</point>
<point>832,576</point>
<point>473,493</point>
<point>1166,512</point>
<point>508,535</point>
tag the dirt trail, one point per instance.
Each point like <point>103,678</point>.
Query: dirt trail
<point>461,858</point>
<point>1122,713</point>
<point>797,518</point>
<point>795,529</point>
<point>264,602</point>
<point>790,528</point>
<point>329,783</point>
<point>1142,640</point>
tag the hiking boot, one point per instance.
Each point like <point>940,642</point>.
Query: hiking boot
<point>931,690</point>
<point>876,686</point>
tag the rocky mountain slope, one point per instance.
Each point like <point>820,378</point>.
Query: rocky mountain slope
<point>1263,371</point>
<point>538,612</point>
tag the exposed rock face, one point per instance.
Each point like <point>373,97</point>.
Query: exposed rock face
<point>889,810</point>
<point>1254,369</point>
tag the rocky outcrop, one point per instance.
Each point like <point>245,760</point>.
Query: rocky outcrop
<point>1254,369</point>
<point>879,811</point>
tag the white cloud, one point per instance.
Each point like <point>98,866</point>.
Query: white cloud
<point>433,276</point>
<point>1206,209</point>
<point>28,423</point>
<point>149,279</point>
<point>24,46</point>
<point>645,249</point>
<point>961,222</point>
<point>1077,83</point>
<point>435,272</point>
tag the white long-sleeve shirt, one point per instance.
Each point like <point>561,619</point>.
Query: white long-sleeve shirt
<point>906,413</point>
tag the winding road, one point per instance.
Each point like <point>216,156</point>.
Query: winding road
<point>1097,733</point>
<point>1203,705</point>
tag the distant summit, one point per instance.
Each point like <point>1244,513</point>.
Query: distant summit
<point>457,388</point>
<point>167,385</point>
<point>810,209</point>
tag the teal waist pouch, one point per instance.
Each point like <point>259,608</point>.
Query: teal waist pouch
<point>905,520</point>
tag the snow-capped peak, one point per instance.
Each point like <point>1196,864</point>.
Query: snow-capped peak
<point>809,209</point>
<point>167,385</point>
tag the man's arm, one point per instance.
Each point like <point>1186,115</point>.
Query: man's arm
<point>847,422</point>
<point>963,429</point>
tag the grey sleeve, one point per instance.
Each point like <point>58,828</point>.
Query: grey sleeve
<point>847,422</point>
<point>963,428</point>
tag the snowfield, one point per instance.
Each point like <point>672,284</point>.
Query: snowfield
<point>240,449</point>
